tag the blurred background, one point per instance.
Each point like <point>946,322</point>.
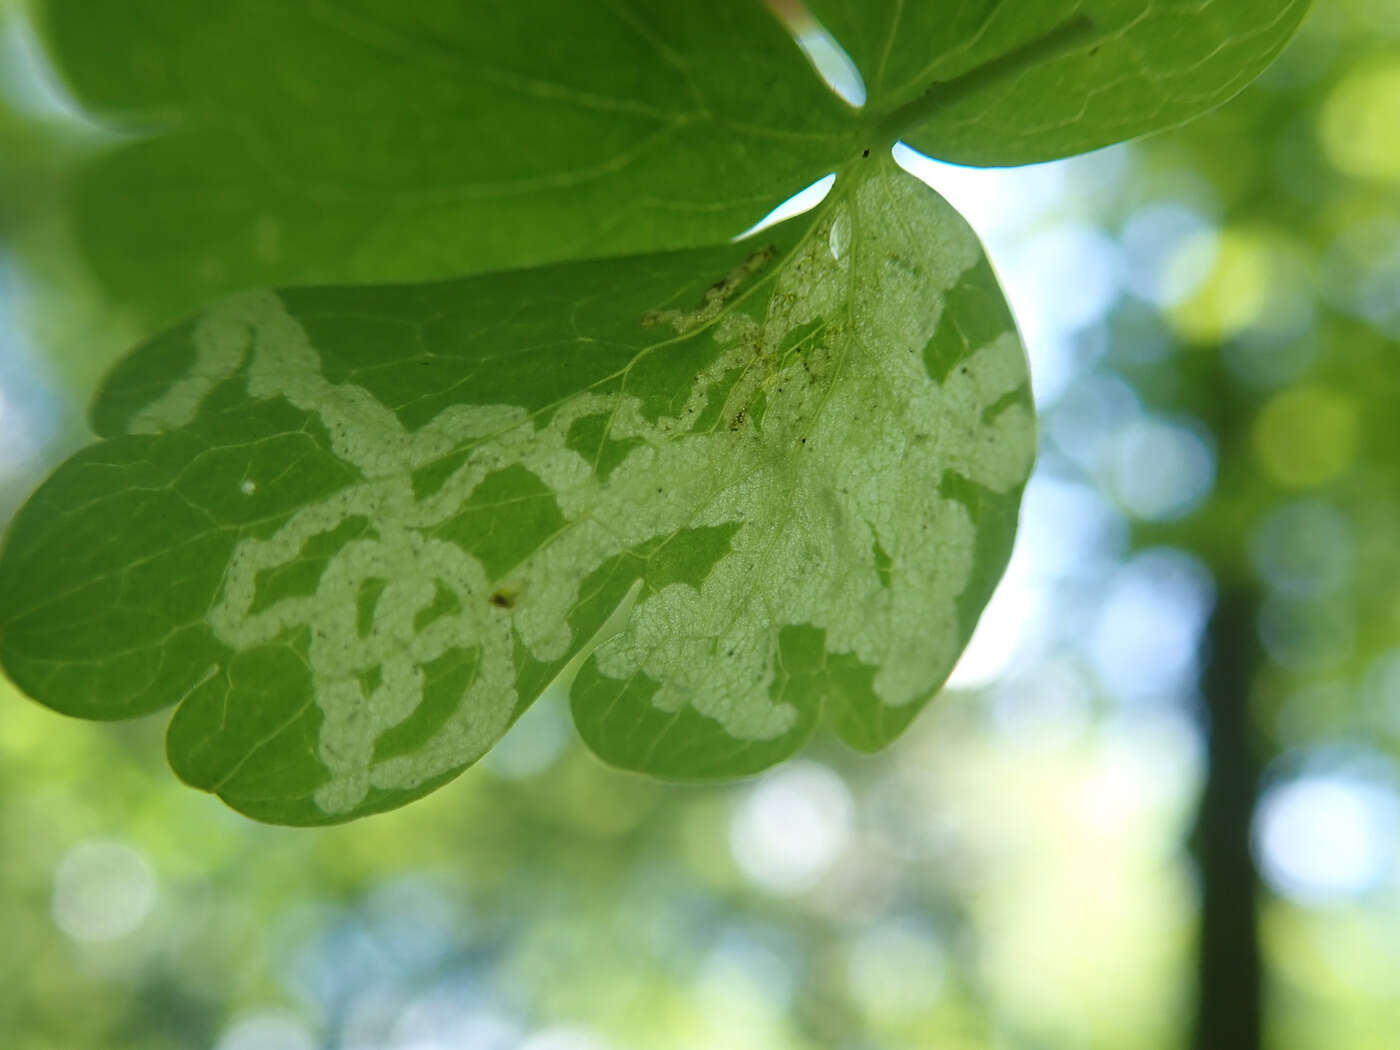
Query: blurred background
<point>1158,806</point>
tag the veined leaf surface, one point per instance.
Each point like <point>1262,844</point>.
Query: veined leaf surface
<point>994,83</point>
<point>355,531</point>
<point>375,140</point>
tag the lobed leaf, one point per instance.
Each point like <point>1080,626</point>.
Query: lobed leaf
<point>376,140</point>
<point>355,531</point>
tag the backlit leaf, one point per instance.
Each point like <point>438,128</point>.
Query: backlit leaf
<point>377,140</point>
<point>1018,83</point>
<point>355,531</point>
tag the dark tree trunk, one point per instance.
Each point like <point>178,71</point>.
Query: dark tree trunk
<point>1228,1009</point>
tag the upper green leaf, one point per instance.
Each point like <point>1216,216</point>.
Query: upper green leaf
<point>354,532</point>
<point>377,140</point>
<point>1082,73</point>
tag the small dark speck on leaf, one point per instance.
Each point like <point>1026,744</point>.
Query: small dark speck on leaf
<point>1094,50</point>
<point>865,152</point>
<point>503,600</point>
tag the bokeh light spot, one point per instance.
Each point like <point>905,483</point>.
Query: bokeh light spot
<point>1327,835</point>
<point>1306,436</point>
<point>103,890</point>
<point>789,828</point>
<point>1162,470</point>
<point>1234,294</point>
<point>1168,250</point>
<point>1148,630</point>
<point>1358,121</point>
<point>896,970</point>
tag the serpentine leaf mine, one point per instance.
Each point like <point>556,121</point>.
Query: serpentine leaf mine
<point>355,532</point>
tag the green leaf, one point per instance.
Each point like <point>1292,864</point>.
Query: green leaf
<point>991,83</point>
<point>376,140</point>
<point>355,531</point>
